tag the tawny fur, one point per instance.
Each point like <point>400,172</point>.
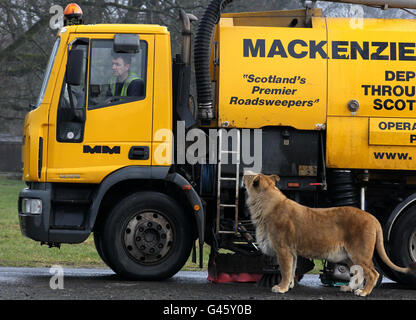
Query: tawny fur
<point>287,229</point>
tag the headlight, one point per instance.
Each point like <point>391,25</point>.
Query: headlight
<point>32,206</point>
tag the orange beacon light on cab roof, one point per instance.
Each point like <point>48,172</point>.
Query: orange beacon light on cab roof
<point>73,15</point>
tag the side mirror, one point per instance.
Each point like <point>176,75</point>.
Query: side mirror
<point>126,43</point>
<point>74,67</point>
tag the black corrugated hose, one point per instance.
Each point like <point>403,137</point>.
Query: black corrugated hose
<point>343,190</point>
<point>202,50</point>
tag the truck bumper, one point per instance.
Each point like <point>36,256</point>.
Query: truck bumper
<point>35,226</point>
<point>42,226</point>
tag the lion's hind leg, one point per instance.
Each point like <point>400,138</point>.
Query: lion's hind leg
<point>371,277</point>
<point>364,270</point>
<point>363,258</point>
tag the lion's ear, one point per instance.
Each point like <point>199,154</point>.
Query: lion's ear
<point>275,178</point>
<point>256,181</point>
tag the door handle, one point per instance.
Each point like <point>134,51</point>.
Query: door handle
<point>139,153</point>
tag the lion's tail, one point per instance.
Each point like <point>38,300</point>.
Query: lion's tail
<point>383,255</point>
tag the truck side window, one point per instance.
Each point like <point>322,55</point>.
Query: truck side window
<point>116,78</point>
<point>70,125</point>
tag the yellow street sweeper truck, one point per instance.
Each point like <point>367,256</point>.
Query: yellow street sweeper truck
<point>118,146</point>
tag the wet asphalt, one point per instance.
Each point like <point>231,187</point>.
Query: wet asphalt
<point>104,284</point>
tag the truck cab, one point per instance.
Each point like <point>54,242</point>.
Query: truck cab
<point>91,142</point>
<point>79,132</point>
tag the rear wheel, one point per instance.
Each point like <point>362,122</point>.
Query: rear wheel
<point>147,236</point>
<point>402,245</point>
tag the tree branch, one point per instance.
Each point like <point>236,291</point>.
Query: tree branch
<point>20,41</point>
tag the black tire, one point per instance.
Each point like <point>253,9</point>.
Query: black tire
<point>146,236</point>
<point>98,247</point>
<point>402,245</point>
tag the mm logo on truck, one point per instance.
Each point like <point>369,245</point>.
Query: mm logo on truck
<point>101,149</point>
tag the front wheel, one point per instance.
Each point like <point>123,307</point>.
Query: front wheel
<point>147,236</point>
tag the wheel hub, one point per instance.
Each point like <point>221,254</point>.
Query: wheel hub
<point>148,237</point>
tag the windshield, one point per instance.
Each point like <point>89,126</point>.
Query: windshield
<point>48,72</point>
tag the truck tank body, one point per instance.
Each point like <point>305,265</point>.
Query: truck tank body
<point>356,78</point>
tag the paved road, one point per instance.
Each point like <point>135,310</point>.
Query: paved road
<point>98,284</point>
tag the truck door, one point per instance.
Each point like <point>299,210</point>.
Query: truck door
<point>112,125</point>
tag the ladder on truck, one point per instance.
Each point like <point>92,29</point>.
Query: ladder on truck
<point>221,179</point>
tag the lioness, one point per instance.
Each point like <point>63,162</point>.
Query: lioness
<point>288,229</point>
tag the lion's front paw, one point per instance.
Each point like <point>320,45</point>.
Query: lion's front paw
<point>277,289</point>
<point>360,293</point>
